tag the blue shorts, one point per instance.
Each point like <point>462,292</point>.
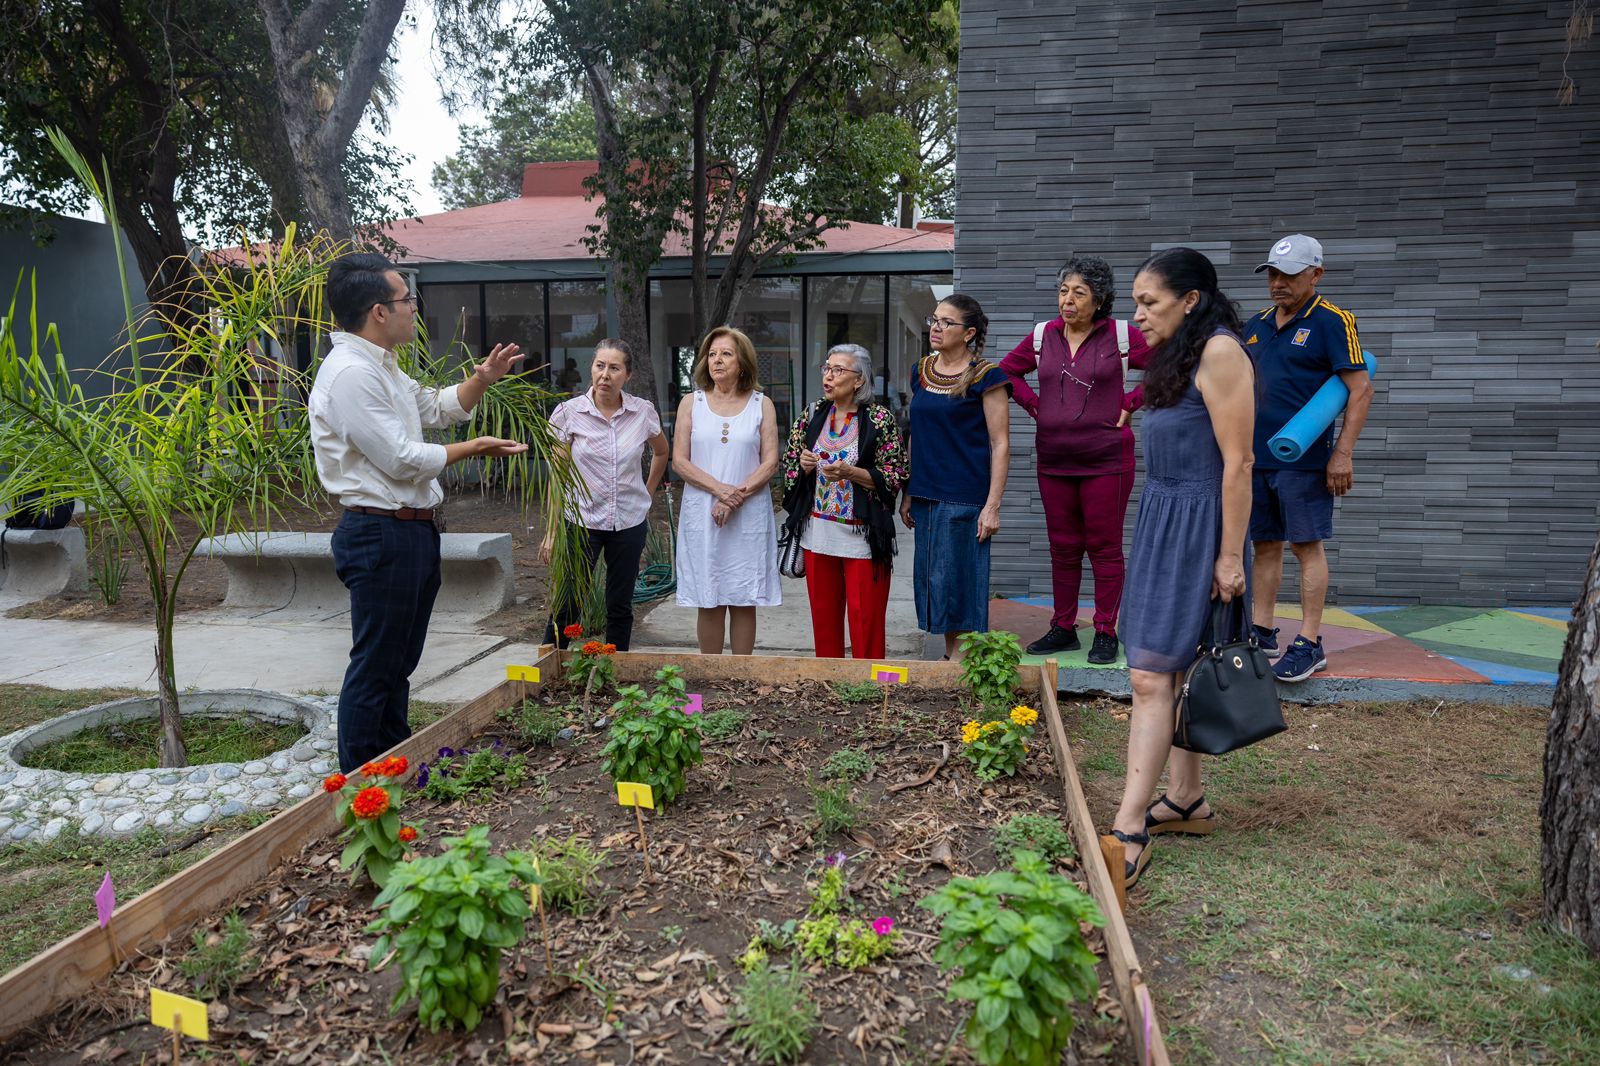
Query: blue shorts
<point>1291,505</point>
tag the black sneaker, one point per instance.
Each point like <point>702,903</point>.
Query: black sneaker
<point>1267,638</point>
<point>1301,660</point>
<point>1104,650</point>
<point>1058,639</point>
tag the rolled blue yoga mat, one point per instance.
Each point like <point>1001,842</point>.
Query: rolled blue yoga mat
<point>1313,420</point>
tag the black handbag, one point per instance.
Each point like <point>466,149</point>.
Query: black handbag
<point>1229,696</point>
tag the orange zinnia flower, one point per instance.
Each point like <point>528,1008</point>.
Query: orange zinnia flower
<point>407,834</point>
<point>334,782</point>
<point>573,631</point>
<point>393,766</point>
<point>371,769</point>
<point>370,802</point>
<point>609,649</point>
<point>592,648</point>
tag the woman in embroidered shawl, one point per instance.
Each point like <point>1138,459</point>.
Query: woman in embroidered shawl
<point>842,469</point>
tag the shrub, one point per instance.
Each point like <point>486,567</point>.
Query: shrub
<point>996,749</point>
<point>217,962</point>
<point>775,1014</point>
<point>836,811</point>
<point>570,870</point>
<point>373,834</point>
<point>472,775</point>
<point>719,725</point>
<point>447,919</point>
<point>534,722</point>
<point>1015,936</point>
<point>652,741</point>
<point>851,692</point>
<point>1038,833</point>
<point>989,669</point>
<point>849,764</point>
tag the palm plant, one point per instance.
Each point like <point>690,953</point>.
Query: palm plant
<point>178,449</point>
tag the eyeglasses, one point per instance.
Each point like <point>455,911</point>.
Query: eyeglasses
<point>947,323</point>
<point>409,299</point>
<point>829,370</point>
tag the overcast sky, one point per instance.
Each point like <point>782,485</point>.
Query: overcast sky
<point>418,123</point>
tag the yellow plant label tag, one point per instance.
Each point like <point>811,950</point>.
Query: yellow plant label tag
<point>171,1011</point>
<point>633,794</point>
<point>889,675</point>
<point>522,673</point>
<point>533,890</point>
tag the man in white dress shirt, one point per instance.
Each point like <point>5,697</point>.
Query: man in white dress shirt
<point>367,419</point>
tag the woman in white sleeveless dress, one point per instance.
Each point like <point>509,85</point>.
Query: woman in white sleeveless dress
<point>725,448</point>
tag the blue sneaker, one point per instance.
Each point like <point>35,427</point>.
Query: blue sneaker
<point>1301,660</point>
<point>1266,638</point>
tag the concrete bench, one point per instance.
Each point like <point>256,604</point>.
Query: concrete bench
<point>40,563</point>
<point>293,572</point>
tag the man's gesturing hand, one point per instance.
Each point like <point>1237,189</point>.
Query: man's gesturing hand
<point>499,363</point>
<point>497,446</point>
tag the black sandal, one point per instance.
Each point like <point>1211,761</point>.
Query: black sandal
<point>1132,871</point>
<point>1187,823</point>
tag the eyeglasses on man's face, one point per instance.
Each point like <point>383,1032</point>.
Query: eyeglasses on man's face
<point>947,323</point>
<point>409,298</point>
<point>829,370</point>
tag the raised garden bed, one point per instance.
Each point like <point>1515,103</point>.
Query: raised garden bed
<point>650,973</point>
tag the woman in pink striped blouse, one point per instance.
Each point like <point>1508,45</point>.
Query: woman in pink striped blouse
<point>607,431</point>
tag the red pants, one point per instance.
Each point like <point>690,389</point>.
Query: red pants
<point>837,586</point>
<point>1084,515</point>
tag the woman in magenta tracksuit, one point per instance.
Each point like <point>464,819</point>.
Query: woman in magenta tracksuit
<point>1084,446</point>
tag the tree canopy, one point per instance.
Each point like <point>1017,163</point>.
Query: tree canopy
<point>543,122</point>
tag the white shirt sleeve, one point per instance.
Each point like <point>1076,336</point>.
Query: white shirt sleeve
<point>378,434</point>
<point>437,407</point>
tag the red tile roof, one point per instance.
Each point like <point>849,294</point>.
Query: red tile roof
<point>551,217</point>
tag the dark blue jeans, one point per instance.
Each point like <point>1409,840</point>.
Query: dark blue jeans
<point>392,571</point>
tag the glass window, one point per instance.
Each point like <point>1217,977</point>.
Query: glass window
<point>577,324</point>
<point>912,298</point>
<point>450,314</point>
<point>672,343</point>
<point>769,313</point>
<point>845,309</point>
<point>516,316</point>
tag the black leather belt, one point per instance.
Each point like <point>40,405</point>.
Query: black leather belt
<point>405,514</point>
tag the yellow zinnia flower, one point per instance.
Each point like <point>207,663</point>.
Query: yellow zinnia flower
<point>1024,716</point>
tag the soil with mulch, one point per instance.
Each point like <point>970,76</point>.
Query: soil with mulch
<point>649,975</point>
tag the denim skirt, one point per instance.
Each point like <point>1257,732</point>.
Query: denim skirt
<point>950,570</point>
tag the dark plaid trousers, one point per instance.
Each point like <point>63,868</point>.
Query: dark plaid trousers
<point>391,568</point>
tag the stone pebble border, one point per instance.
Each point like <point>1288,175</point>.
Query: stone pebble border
<point>43,804</point>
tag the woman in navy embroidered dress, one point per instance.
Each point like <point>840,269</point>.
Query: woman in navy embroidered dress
<point>960,449</point>
<point>1189,538</point>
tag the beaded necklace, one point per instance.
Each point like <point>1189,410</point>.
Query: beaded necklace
<point>934,381</point>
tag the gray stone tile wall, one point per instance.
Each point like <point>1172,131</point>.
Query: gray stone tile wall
<point>1422,142</point>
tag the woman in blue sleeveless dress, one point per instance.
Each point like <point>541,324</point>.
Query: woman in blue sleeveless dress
<point>1189,538</point>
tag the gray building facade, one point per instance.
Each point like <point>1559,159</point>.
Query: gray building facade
<point>1458,203</point>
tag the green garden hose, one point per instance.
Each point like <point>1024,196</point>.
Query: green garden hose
<point>658,579</point>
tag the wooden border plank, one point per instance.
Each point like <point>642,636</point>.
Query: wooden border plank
<point>1138,1007</point>
<point>74,965</point>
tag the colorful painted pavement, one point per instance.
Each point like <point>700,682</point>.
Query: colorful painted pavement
<point>1457,645</point>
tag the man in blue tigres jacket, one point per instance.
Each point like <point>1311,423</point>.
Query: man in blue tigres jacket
<point>1298,343</point>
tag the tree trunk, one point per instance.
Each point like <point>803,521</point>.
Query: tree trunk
<point>1569,815</point>
<point>173,750</point>
<point>631,287</point>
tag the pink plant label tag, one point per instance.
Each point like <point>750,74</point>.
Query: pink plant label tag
<point>105,901</point>
<point>694,706</point>
<point>889,675</point>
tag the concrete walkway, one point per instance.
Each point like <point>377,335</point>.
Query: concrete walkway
<point>1454,653</point>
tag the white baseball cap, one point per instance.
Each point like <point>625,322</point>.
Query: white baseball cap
<point>1293,254</point>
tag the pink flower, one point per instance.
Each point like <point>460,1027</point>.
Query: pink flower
<point>883,926</point>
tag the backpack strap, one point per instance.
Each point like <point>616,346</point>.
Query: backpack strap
<point>1122,343</point>
<point>1038,338</point>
